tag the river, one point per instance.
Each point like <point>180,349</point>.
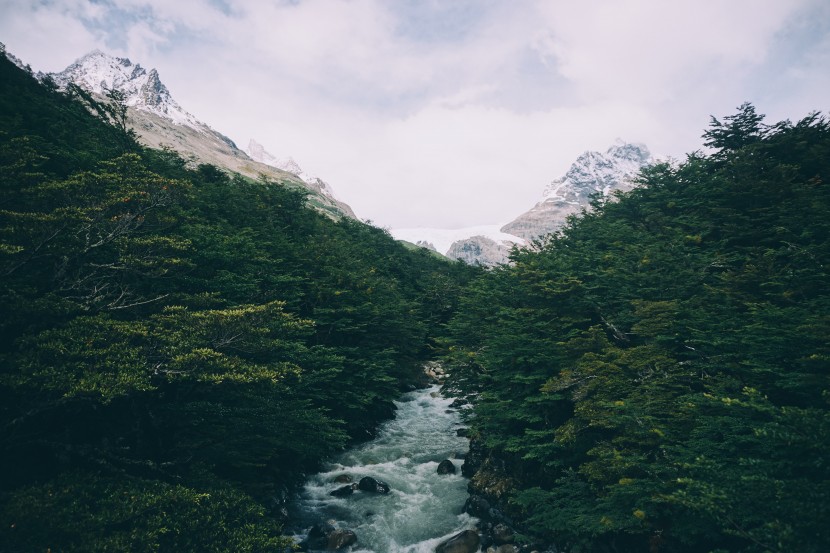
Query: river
<point>423,508</point>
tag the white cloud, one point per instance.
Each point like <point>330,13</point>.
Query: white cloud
<point>48,36</point>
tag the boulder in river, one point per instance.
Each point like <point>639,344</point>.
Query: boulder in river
<point>343,479</point>
<point>341,538</point>
<point>478,507</point>
<point>344,491</point>
<point>467,541</point>
<point>462,432</point>
<point>446,467</point>
<point>318,536</point>
<point>369,484</point>
<point>324,536</point>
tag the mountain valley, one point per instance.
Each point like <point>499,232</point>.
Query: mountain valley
<point>203,349</point>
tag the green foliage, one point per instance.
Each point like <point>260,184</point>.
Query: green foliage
<point>179,347</point>
<point>655,375</point>
<point>102,513</point>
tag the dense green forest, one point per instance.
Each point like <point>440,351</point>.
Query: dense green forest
<point>654,377</point>
<point>180,345</point>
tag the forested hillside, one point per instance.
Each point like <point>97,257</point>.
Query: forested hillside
<point>180,346</point>
<point>655,376</point>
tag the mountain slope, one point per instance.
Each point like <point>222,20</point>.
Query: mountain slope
<point>161,122</point>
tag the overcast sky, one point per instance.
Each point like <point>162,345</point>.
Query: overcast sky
<point>449,113</point>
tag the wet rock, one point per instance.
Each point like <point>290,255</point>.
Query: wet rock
<point>462,432</point>
<point>502,534</point>
<point>318,536</point>
<point>467,541</point>
<point>461,456</point>
<point>341,538</point>
<point>343,491</point>
<point>433,373</point>
<point>324,536</point>
<point>343,479</point>
<point>369,484</point>
<point>477,506</point>
<point>475,458</point>
<point>446,467</point>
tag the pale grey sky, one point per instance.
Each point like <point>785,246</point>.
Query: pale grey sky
<point>450,113</point>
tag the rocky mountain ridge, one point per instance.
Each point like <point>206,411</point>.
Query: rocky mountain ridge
<point>593,173</point>
<point>160,122</point>
<point>98,72</point>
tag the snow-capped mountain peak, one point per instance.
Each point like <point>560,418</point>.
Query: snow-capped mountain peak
<point>160,122</point>
<point>594,172</point>
<point>143,90</point>
<point>591,173</point>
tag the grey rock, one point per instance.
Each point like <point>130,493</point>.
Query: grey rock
<point>480,250</point>
<point>344,491</point>
<point>318,536</point>
<point>340,538</point>
<point>467,541</point>
<point>325,536</point>
<point>369,484</point>
<point>446,467</point>
<point>477,506</point>
<point>502,534</point>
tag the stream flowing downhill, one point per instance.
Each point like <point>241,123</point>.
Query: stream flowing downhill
<point>423,507</point>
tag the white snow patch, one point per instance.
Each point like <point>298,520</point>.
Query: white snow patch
<point>257,152</point>
<point>99,72</point>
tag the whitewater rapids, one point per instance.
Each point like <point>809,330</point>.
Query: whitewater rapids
<point>423,508</point>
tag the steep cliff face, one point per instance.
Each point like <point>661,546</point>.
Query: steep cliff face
<point>593,173</point>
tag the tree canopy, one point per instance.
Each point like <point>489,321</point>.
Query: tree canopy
<point>654,377</point>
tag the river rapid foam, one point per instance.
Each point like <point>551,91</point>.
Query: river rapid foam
<point>423,507</point>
